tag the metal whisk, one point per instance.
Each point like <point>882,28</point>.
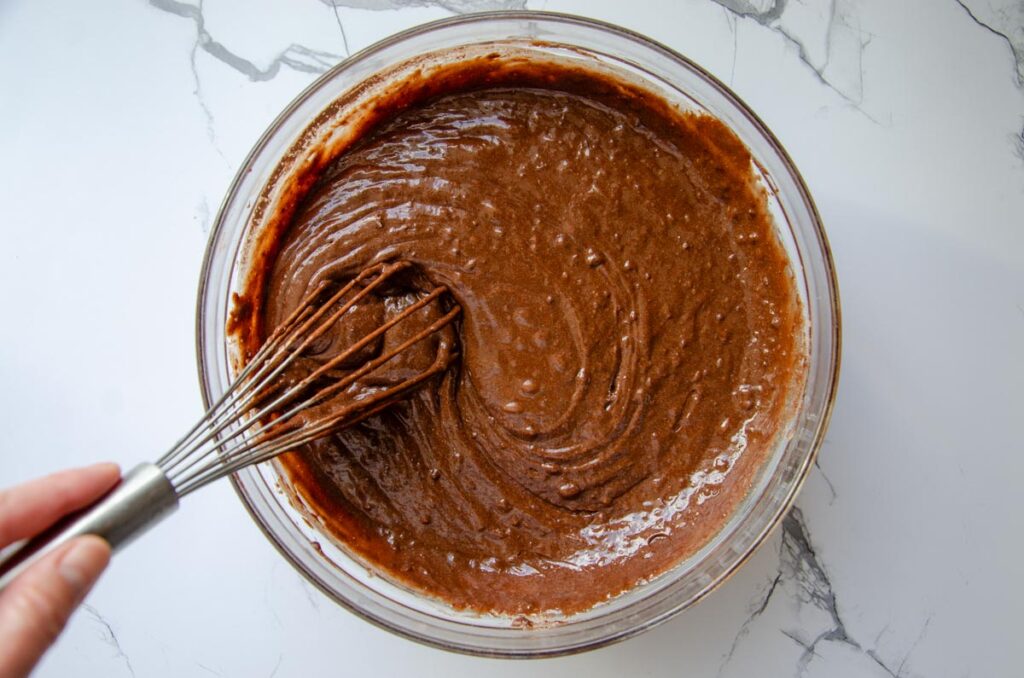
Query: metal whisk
<point>267,410</point>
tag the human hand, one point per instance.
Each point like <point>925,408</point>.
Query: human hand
<point>35,606</point>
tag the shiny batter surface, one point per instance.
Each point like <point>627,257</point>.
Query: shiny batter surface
<point>629,340</point>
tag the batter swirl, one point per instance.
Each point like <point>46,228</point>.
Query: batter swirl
<point>629,342</point>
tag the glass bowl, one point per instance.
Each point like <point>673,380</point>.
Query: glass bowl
<point>310,121</point>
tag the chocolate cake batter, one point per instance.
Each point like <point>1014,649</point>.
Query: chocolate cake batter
<point>630,337</point>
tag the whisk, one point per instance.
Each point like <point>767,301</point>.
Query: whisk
<point>267,410</point>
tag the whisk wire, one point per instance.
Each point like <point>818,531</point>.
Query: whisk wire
<point>265,411</point>
<point>273,358</point>
<point>251,423</point>
<point>254,452</point>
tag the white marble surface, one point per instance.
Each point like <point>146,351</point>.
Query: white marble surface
<point>122,123</point>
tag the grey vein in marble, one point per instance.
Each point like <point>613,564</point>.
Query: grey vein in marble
<point>295,56</point>
<point>910,650</point>
<point>197,92</point>
<point>266,597</point>
<point>828,481</point>
<point>756,612</point>
<point>730,19</point>
<point>454,6</point>
<point>341,27</point>
<point>202,215</point>
<point>763,11</point>
<point>312,595</point>
<point>836,60</point>
<point>802,579</point>
<point>799,561</point>
<point>206,668</point>
<point>1005,20</point>
<point>109,637</point>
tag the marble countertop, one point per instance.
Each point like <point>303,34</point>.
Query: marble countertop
<point>122,124</point>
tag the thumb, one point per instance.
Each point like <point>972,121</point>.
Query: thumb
<point>35,607</point>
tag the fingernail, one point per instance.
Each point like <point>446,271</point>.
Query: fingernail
<point>83,562</point>
<point>104,468</point>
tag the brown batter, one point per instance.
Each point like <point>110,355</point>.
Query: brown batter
<point>630,336</point>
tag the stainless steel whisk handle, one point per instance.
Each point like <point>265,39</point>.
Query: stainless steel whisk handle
<point>142,498</point>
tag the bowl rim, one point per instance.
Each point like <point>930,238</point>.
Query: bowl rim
<point>830,281</point>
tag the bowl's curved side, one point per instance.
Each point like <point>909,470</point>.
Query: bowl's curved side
<point>401,611</point>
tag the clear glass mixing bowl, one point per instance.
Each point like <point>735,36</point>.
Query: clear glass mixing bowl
<point>304,125</point>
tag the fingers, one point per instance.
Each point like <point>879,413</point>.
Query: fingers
<point>35,607</point>
<point>28,509</point>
